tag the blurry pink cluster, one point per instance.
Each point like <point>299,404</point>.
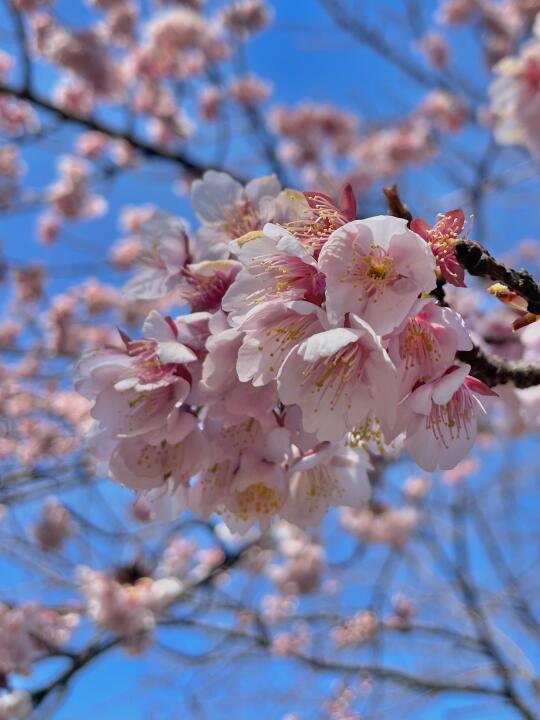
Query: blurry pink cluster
<point>29,631</point>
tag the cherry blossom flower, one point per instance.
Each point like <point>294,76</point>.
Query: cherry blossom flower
<point>426,343</point>
<point>442,238</point>
<point>16,705</point>
<point>276,267</point>
<point>337,377</point>
<point>244,18</point>
<point>70,196</point>
<point>249,90</point>
<point>329,476</point>
<point>515,97</point>
<point>357,630</point>
<point>165,253</point>
<point>381,524</point>
<point>228,211</point>
<point>375,268</point>
<point>54,527</point>
<point>443,419</point>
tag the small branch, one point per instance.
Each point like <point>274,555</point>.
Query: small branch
<point>396,206</point>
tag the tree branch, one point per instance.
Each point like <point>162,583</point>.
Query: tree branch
<point>477,261</point>
<point>92,123</point>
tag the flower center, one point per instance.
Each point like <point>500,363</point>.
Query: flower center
<point>450,421</point>
<point>419,348</point>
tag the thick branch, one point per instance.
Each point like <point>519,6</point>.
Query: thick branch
<point>477,261</point>
<point>493,370</point>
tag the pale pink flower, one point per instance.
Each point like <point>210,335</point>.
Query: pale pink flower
<point>180,29</point>
<point>10,163</point>
<point>455,12</point>
<point>49,226</point>
<point>74,97</point>
<point>161,465</point>
<point>442,424</point>
<point>291,643</point>
<point>515,98</point>
<point>245,17</point>
<point>123,154</point>
<point>9,332</point>
<point>120,23</point>
<point>126,252</point>
<point>375,268</point>
<point>210,101</point>
<point>97,297</point>
<point>16,705</point>
<point>359,629</point>
<point>79,51</point>
<point>461,471</point>
<point>436,49</point>
<point>177,558</point>
<point>166,252</point>
<point>31,5</point>
<point>27,632</point>
<point>139,389</point>
<point>228,210</point>
<point>415,488</point>
<point>426,343</point>
<point>6,65</point>
<point>249,90</point>
<point>271,330</point>
<point>55,526</point>
<point>442,238</point>
<point>133,217</point>
<point>444,110</point>
<point>204,284</point>
<point>403,612</point>
<point>140,509</point>
<point>70,195</point>
<point>275,608</point>
<point>276,267</point>
<point>16,117</point>
<point>92,144</point>
<point>29,283</point>
<point>122,609</point>
<point>325,477</point>
<point>386,152</point>
<point>381,524</point>
<point>337,377</point>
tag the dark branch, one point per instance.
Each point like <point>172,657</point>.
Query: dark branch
<point>91,123</point>
<point>493,370</point>
<point>477,261</point>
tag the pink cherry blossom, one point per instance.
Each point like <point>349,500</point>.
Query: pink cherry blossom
<point>337,377</point>
<point>54,527</point>
<point>443,419</point>
<point>442,238</point>
<point>375,268</point>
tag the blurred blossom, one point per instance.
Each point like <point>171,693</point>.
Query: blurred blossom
<point>55,526</point>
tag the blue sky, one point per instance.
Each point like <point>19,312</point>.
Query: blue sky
<point>306,58</point>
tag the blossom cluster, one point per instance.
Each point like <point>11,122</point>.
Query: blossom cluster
<point>312,342</point>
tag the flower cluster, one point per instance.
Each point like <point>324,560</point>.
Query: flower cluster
<point>312,339</point>
<point>28,632</point>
